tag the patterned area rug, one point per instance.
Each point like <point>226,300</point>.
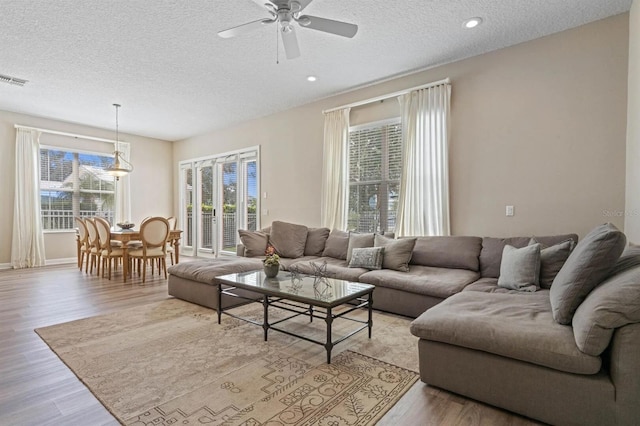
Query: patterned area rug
<point>170,363</point>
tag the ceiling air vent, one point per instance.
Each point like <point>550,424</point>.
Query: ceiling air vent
<point>12,80</point>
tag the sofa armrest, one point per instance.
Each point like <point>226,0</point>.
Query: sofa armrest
<point>625,372</point>
<point>240,250</point>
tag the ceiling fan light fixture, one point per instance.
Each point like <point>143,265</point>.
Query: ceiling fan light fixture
<point>472,22</point>
<point>312,78</point>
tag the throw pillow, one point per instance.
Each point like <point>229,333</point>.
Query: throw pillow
<point>588,264</point>
<point>358,241</point>
<point>316,240</point>
<point>397,253</point>
<point>254,242</point>
<point>336,245</point>
<point>369,258</point>
<point>551,260</point>
<point>520,268</point>
<point>288,239</point>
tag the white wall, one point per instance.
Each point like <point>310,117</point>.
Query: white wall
<point>151,180</point>
<point>632,208</point>
<point>540,125</point>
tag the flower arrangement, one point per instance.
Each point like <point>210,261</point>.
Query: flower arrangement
<point>272,258</point>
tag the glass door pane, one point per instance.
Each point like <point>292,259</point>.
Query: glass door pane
<point>251,194</point>
<point>229,191</point>
<point>186,208</point>
<point>206,209</point>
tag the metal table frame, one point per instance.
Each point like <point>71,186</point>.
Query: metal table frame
<point>364,300</point>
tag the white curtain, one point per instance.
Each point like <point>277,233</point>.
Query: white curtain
<point>423,204</point>
<point>123,190</point>
<point>335,170</point>
<point>27,247</point>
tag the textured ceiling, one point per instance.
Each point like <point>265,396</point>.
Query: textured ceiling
<point>175,78</point>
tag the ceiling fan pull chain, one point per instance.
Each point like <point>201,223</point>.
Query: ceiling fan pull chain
<point>277,45</point>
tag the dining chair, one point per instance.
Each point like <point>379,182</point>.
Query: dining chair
<point>83,241</point>
<point>94,246</point>
<point>109,252</point>
<point>172,225</point>
<point>154,233</point>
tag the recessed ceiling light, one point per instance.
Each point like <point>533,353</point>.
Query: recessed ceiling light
<point>311,78</point>
<point>472,22</point>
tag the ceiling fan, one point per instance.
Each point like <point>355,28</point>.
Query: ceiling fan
<point>285,13</point>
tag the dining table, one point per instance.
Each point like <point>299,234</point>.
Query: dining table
<point>127,235</point>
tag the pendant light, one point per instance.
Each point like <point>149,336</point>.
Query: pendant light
<point>121,167</point>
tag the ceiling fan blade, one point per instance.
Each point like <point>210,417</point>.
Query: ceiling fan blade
<point>290,42</point>
<point>340,28</point>
<point>262,3</point>
<point>244,28</point>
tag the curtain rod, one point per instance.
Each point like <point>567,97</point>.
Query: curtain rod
<point>73,135</point>
<point>390,95</point>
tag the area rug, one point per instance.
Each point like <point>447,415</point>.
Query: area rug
<point>171,363</point>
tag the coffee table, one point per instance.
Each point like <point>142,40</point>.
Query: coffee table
<point>301,295</point>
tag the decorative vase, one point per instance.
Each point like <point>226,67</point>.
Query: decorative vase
<point>271,270</point>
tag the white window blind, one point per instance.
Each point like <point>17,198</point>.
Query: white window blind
<point>74,183</point>
<point>375,165</point>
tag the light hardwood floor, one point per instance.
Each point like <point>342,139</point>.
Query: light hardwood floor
<point>36,388</point>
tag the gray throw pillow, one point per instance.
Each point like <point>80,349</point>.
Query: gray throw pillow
<point>552,259</point>
<point>589,263</point>
<point>336,245</point>
<point>316,240</point>
<point>369,258</point>
<point>288,239</point>
<point>358,241</point>
<point>397,253</point>
<point>520,268</point>
<point>612,304</point>
<point>254,242</point>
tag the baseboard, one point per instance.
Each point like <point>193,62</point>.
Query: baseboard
<point>50,262</point>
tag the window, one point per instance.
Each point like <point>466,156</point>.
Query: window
<point>74,183</point>
<point>375,165</point>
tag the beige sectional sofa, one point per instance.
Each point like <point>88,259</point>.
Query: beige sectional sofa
<point>476,338</point>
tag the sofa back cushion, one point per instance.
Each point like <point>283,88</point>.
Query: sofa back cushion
<point>358,241</point>
<point>588,264</point>
<point>288,239</point>
<point>491,253</point>
<point>336,245</point>
<point>254,242</point>
<point>316,240</point>
<point>612,304</point>
<point>457,252</point>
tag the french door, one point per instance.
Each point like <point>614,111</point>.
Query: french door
<point>218,196</point>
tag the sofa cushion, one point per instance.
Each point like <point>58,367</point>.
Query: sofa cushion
<point>456,252</point>
<point>552,259</point>
<point>358,241</point>
<point>254,242</point>
<point>336,245</point>
<point>491,253</point>
<point>589,263</point>
<point>205,271</point>
<point>336,268</point>
<point>520,268</point>
<point>288,239</point>
<point>612,304</point>
<point>286,263</point>
<point>630,258</point>
<point>490,285</point>
<point>367,257</point>
<point>510,325</point>
<point>397,253</point>
<point>316,240</point>
<point>424,280</point>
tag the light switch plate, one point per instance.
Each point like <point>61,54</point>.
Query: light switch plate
<point>509,211</point>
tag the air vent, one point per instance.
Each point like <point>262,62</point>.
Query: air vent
<point>12,80</point>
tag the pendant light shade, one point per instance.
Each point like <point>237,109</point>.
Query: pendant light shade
<point>121,167</point>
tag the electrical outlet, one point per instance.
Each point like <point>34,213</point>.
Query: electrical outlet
<point>265,212</point>
<point>509,211</point>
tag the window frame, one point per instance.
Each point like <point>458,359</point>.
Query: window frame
<point>66,150</point>
<point>384,182</point>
